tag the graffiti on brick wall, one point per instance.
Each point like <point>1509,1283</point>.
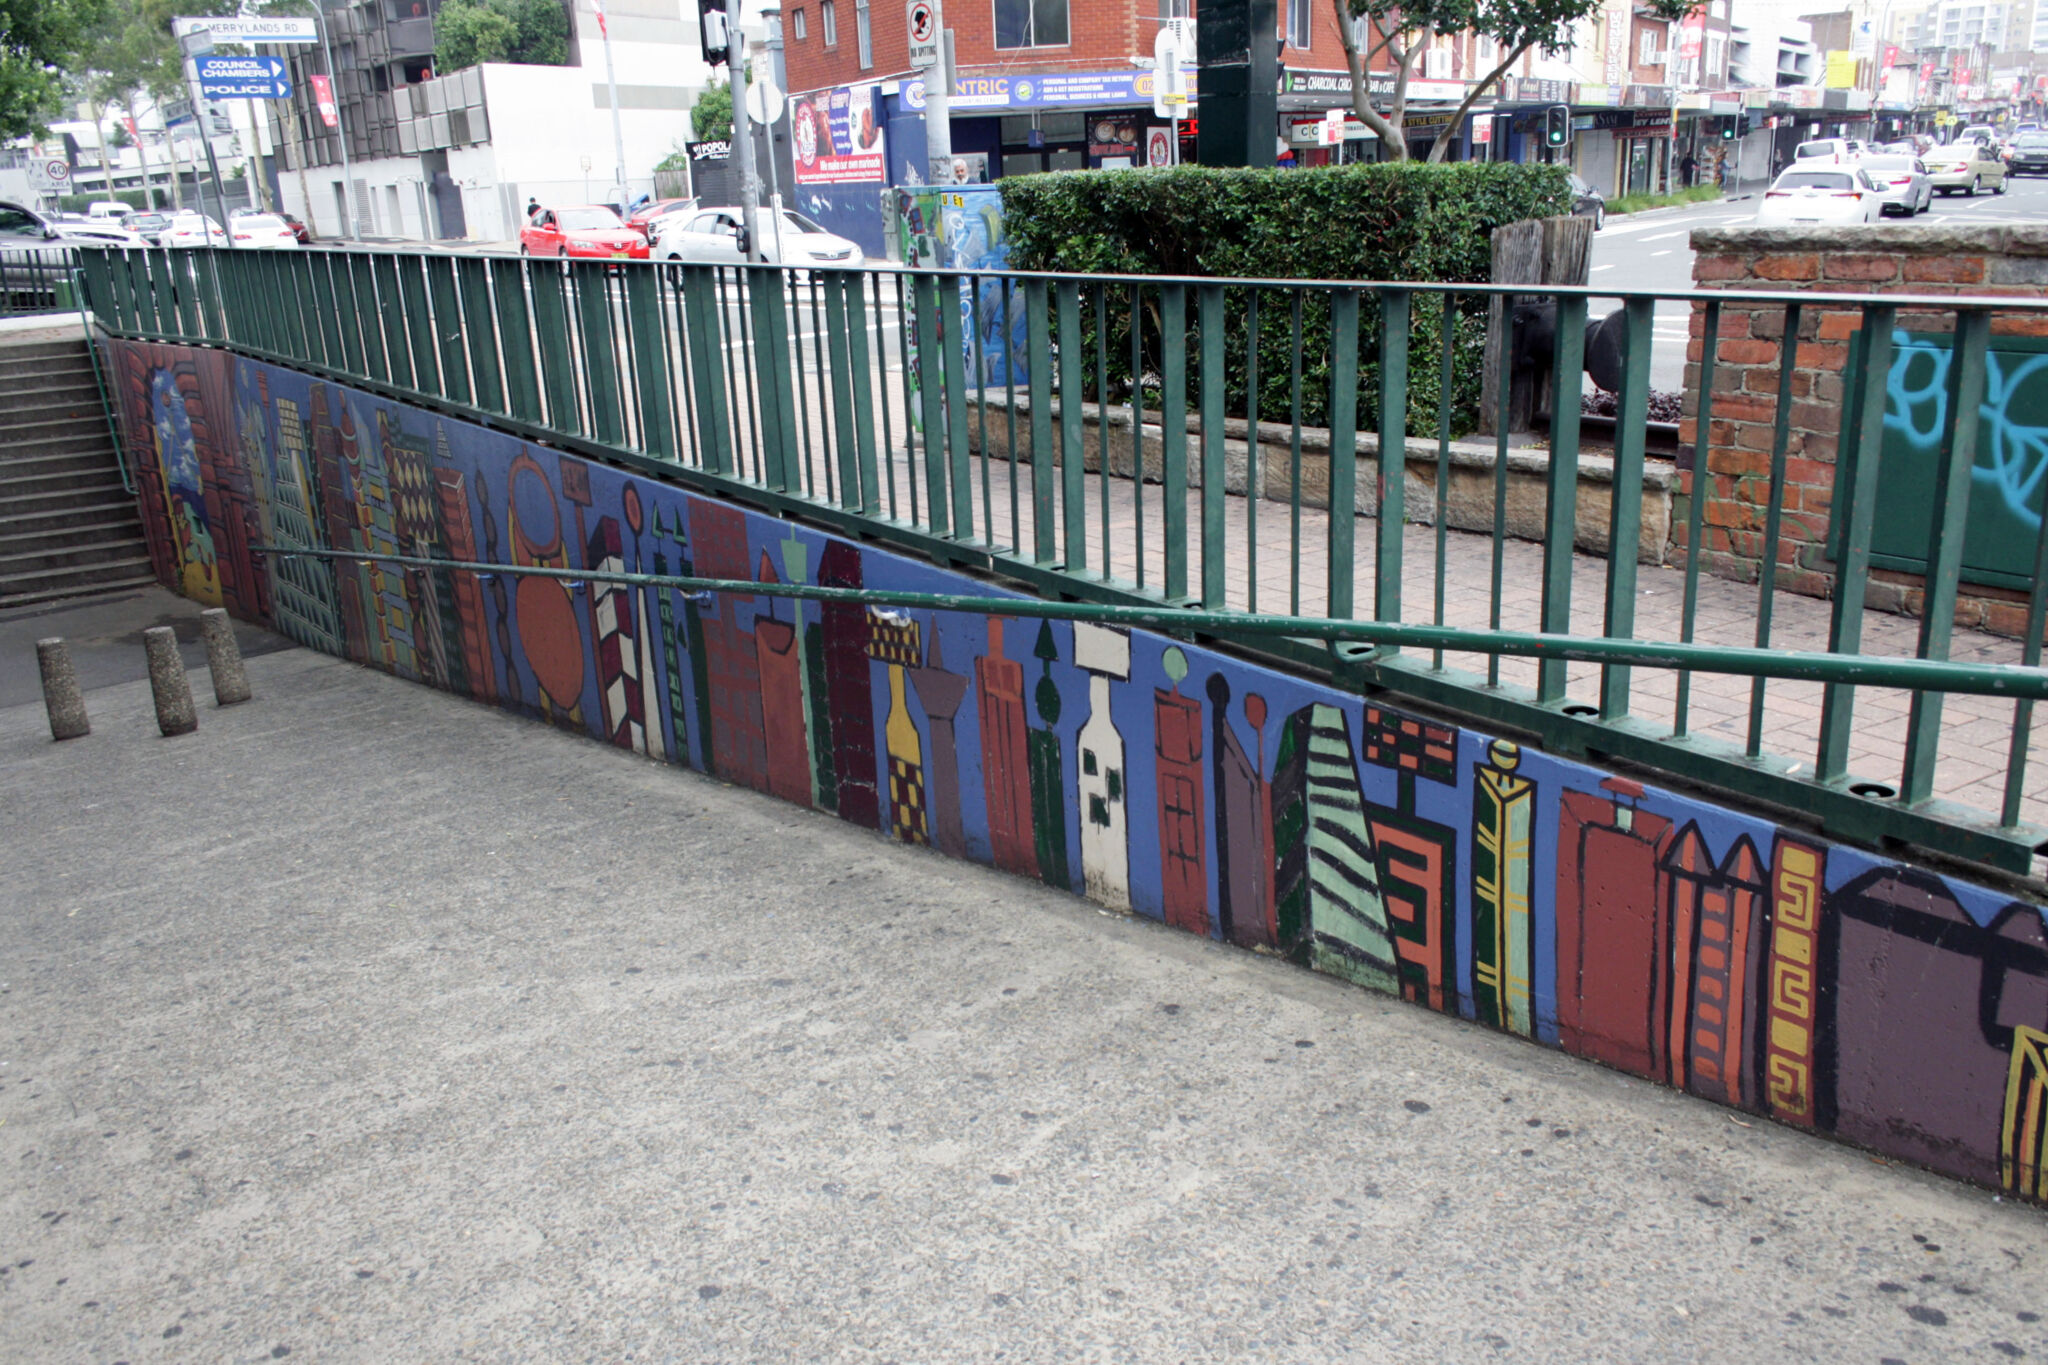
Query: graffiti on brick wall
<point>1751,965</point>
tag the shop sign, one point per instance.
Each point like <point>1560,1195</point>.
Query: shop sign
<point>1376,85</point>
<point>1050,89</point>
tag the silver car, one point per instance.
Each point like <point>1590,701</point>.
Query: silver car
<point>1903,185</point>
<point>713,236</point>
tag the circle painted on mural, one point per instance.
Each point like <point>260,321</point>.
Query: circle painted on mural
<point>1505,755</point>
<point>533,506</point>
<point>629,502</point>
<point>1174,663</point>
<point>553,644</point>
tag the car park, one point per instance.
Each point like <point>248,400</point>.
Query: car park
<point>582,230</point>
<point>1966,166</point>
<point>715,236</point>
<point>2029,153</point>
<point>1904,187</point>
<point>1821,194</point>
<point>1587,202</point>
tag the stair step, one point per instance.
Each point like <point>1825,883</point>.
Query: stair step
<point>62,497</point>
<point>30,539</point>
<point>76,462</point>
<point>51,585</point>
<point>71,443</point>
<point>14,563</point>
<point>46,404</point>
<point>52,517</point>
<point>18,352</point>
<point>71,481</point>
<point>15,431</point>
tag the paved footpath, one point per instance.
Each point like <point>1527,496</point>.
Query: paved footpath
<point>368,1024</point>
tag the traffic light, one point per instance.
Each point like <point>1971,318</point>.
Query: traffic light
<point>716,34</point>
<point>1557,125</point>
<point>1728,129</point>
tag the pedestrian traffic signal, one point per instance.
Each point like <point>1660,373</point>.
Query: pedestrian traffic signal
<point>1557,125</point>
<point>715,32</point>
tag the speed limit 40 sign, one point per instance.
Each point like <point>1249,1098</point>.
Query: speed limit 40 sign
<point>924,34</point>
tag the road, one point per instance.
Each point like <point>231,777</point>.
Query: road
<point>1654,251</point>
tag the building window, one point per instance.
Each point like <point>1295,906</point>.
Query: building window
<point>1031,23</point>
<point>799,25</point>
<point>1646,48</point>
<point>1298,32</point>
<point>829,21</point>
<point>863,34</point>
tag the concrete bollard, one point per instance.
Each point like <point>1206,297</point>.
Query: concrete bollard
<point>168,684</point>
<point>223,657</point>
<point>61,697</point>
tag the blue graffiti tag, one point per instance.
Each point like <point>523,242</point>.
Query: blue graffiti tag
<point>2012,456</point>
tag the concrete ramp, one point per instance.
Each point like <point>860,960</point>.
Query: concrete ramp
<point>369,1023</point>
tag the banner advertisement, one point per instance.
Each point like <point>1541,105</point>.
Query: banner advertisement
<point>837,138</point>
<point>1052,90</point>
<point>323,98</point>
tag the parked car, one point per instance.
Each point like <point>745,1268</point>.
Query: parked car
<point>192,229</point>
<point>1967,165</point>
<point>714,237</point>
<point>264,230</point>
<point>148,226</point>
<point>32,259</point>
<point>1823,193</point>
<point>1904,187</point>
<point>2029,153</point>
<point>1836,151</point>
<point>300,232</point>
<point>651,217</point>
<point>590,230</point>
<point>109,208</point>
<point>99,231</point>
<point>1588,202</point>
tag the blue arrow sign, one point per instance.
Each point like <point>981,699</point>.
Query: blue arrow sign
<point>243,78</point>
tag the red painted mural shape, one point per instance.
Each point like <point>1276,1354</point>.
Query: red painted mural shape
<point>782,700</point>
<point>739,741</point>
<point>1184,873</point>
<point>1609,882</point>
<point>1005,766</point>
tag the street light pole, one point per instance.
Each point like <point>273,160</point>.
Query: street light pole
<point>611,81</point>
<point>743,146</point>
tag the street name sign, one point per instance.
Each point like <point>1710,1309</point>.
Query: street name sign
<point>243,78</point>
<point>236,29</point>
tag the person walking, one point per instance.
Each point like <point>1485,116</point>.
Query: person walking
<point>1687,168</point>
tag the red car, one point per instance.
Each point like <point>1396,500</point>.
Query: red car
<point>591,230</point>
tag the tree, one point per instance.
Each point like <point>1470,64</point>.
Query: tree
<point>533,32</point>
<point>127,53</point>
<point>711,115</point>
<point>37,39</point>
<point>1404,31</point>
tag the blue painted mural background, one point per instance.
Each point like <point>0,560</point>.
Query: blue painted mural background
<point>1758,966</point>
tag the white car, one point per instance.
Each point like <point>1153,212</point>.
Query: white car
<point>265,230</point>
<point>192,229</point>
<point>1835,151</point>
<point>1821,194</point>
<point>1904,187</point>
<point>100,231</point>
<point>712,237</point>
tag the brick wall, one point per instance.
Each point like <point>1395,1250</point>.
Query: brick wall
<point>1101,37</point>
<point>1978,261</point>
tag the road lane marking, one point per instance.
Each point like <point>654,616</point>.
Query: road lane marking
<point>1666,252</point>
<point>1598,268</point>
<point>1664,236</point>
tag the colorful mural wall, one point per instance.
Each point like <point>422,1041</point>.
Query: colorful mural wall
<point>1673,939</point>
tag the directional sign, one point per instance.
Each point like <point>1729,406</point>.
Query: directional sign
<point>243,78</point>
<point>924,34</point>
<point>243,30</point>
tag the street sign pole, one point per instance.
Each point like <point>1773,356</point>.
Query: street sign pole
<point>195,44</point>
<point>743,147</point>
<point>934,45</point>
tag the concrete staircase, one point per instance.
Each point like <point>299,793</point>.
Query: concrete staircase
<point>67,526</point>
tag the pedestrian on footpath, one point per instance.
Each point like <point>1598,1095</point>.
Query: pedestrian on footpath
<point>532,207</point>
<point>1687,167</point>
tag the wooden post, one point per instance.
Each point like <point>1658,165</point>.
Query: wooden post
<point>1534,251</point>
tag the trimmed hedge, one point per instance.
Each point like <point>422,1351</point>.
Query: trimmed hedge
<point>1399,221</point>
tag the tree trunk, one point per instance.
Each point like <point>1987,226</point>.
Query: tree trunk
<point>99,128</point>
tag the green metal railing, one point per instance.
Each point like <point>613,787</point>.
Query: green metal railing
<point>37,280</point>
<point>909,407</point>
